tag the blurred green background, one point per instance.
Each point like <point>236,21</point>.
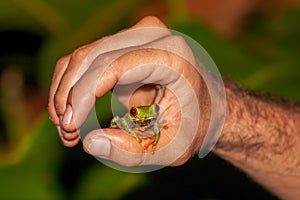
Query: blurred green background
<point>253,42</point>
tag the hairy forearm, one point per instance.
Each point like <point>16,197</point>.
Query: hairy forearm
<point>261,136</point>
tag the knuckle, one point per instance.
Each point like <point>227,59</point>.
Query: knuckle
<point>71,128</point>
<point>69,143</point>
<point>153,21</point>
<point>70,136</point>
<point>60,63</point>
<point>80,53</point>
<point>58,99</point>
<point>178,39</point>
<point>59,102</point>
<point>52,115</point>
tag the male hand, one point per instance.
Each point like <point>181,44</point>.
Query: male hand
<point>160,67</point>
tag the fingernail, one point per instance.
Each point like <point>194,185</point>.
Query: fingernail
<point>98,145</point>
<point>68,115</point>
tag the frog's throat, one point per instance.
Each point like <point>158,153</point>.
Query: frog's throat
<point>142,122</point>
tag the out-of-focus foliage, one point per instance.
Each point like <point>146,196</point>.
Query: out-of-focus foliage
<point>265,58</point>
<point>31,153</point>
<point>32,160</point>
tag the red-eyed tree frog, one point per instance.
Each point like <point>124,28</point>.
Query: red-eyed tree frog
<point>140,122</point>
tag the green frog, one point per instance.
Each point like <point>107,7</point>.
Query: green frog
<point>140,122</point>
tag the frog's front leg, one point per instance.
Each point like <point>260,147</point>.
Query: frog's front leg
<point>115,122</point>
<point>125,126</point>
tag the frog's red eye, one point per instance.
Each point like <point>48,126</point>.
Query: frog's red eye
<point>133,112</point>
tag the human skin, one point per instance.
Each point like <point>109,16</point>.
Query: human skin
<point>260,135</point>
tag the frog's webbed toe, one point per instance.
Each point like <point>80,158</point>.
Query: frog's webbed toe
<point>151,142</point>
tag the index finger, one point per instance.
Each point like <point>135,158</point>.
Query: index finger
<point>81,59</point>
<point>108,69</point>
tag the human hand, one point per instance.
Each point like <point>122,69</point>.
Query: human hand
<point>152,66</point>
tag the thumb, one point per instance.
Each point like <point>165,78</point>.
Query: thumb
<point>114,145</point>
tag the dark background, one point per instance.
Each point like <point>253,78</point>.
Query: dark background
<point>253,42</point>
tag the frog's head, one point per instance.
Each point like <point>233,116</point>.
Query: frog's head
<point>143,112</point>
